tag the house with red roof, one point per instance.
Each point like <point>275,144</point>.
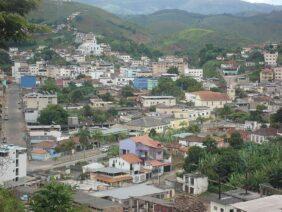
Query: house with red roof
<point>208,99</point>
<point>143,146</point>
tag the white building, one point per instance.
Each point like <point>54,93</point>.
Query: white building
<point>31,115</point>
<point>196,74</point>
<point>270,58</point>
<point>13,160</point>
<point>125,57</point>
<point>90,47</point>
<point>19,69</point>
<point>195,183</point>
<point>148,101</point>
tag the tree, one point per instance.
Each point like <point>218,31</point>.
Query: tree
<point>236,140</point>
<point>192,160</point>
<point>113,151</point>
<point>76,95</point>
<point>194,129</point>
<point>210,144</point>
<point>127,91</point>
<point>49,86</point>
<point>67,146</point>
<point>53,114</point>
<point>173,70</point>
<point>87,111</point>
<point>152,133</point>
<point>166,86</point>
<point>53,197</point>
<point>188,84</point>
<point>113,112</point>
<point>276,118</point>
<point>8,202</point>
<point>275,177</point>
<point>14,26</point>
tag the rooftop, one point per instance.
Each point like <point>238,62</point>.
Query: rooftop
<point>131,191</point>
<point>271,203</point>
<point>131,158</point>
<point>212,96</point>
<point>147,141</point>
<point>157,97</point>
<point>110,170</point>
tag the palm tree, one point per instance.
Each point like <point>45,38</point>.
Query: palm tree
<point>84,139</point>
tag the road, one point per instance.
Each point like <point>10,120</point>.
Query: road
<point>13,128</point>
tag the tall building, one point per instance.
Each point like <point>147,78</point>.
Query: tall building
<point>13,161</point>
<point>270,58</point>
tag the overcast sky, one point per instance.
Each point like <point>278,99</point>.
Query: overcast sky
<point>279,2</point>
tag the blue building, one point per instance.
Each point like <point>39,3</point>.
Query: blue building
<point>28,82</point>
<point>145,83</point>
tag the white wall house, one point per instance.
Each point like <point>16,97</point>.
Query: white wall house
<point>270,58</point>
<point>195,183</point>
<point>39,101</point>
<point>196,74</point>
<point>148,101</point>
<point>13,160</point>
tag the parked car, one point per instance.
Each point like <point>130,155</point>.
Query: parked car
<point>105,148</point>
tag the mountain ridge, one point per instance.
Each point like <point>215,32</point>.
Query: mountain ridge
<point>206,7</point>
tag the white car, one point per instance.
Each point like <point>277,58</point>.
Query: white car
<point>105,148</point>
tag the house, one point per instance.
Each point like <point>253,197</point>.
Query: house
<point>96,203</point>
<point>148,101</point>
<point>39,101</point>
<point>157,168</point>
<point>40,154</point>
<point>130,163</point>
<point>270,58</point>
<point>230,68</point>
<point>31,115</point>
<point>90,47</point>
<point>13,163</point>
<point>266,75</point>
<point>143,146</point>
<point>196,74</point>
<point>48,146</point>
<point>112,176</point>
<point>100,104</point>
<point>195,183</point>
<point>192,140</point>
<point>264,134</point>
<point>270,203</point>
<point>277,73</point>
<point>123,195</point>
<point>145,83</point>
<point>208,99</point>
<point>159,124</point>
<point>225,201</point>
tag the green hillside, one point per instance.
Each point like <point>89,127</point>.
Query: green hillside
<point>193,39</point>
<point>91,19</point>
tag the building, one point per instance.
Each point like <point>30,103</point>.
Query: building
<point>142,146</point>
<point>123,195</point>
<point>130,163</point>
<point>196,74</point>
<point>100,104</point>
<point>225,201</point>
<point>270,58</point>
<point>230,68</point>
<point>145,83</point>
<point>90,47</point>
<point>39,101</point>
<point>112,176</point>
<point>277,73</point>
<point>208,99</point>
<point>28,82</point>
<point>266,75</point>
<point>195,183</point>
<point>264,134</point>
<point>271,203</point>
<point>13,162</point>
<point>167,62</point>
<point>157,123</point>
<point>148,101</point>
<point>96,204</point>
<point>31,115</point>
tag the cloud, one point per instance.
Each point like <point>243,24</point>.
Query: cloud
<point>277,2</point>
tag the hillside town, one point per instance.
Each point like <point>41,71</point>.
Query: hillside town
<point>137,134</point>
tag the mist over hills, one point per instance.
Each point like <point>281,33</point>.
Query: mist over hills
<point>194,6</point>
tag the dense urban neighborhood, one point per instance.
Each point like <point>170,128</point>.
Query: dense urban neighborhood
<point>96,124</point>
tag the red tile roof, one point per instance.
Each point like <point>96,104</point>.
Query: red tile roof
<point>147,141</point>
<point>212,96</point>
<point>39,151</point>
<point>156,163</point>
<point>45,144</point>
<point>131,158</point>
<point>267,132</point>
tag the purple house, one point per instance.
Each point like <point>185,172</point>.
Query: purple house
<point>142,146</point>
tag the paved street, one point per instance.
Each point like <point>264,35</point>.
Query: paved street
<point>14,127</point>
